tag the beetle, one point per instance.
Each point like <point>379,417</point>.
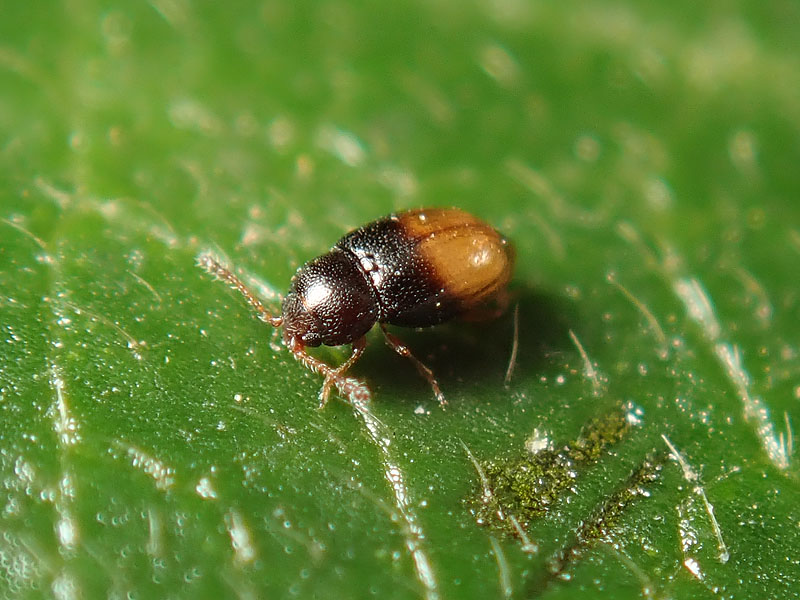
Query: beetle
<point>416,268</point>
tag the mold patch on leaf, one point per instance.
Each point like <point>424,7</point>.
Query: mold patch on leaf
<point>605,517</point>
<point>515,491</point>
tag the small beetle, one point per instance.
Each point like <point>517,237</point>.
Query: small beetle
<point>413,269</point>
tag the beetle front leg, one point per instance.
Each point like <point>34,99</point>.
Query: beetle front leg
<point>334,376</point>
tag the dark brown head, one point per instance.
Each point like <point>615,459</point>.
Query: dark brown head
<point>329,302</point>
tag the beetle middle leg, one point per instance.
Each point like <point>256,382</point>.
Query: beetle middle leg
<point>398,346</point>
<point>333,375</point>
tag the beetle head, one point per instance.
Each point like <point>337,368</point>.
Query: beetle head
<point>329,302</point>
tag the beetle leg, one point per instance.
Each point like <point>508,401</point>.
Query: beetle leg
<point>336,376</point>
<point>333,376</point>
<point>403,350</point>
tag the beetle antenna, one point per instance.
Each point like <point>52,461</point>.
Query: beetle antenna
<point>212,265</point>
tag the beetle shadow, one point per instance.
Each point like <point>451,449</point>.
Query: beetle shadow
<point>463,353</point>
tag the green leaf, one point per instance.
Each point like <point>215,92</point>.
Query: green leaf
<point>158,440</point>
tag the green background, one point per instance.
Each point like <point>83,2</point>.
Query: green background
<point>157,441</point>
